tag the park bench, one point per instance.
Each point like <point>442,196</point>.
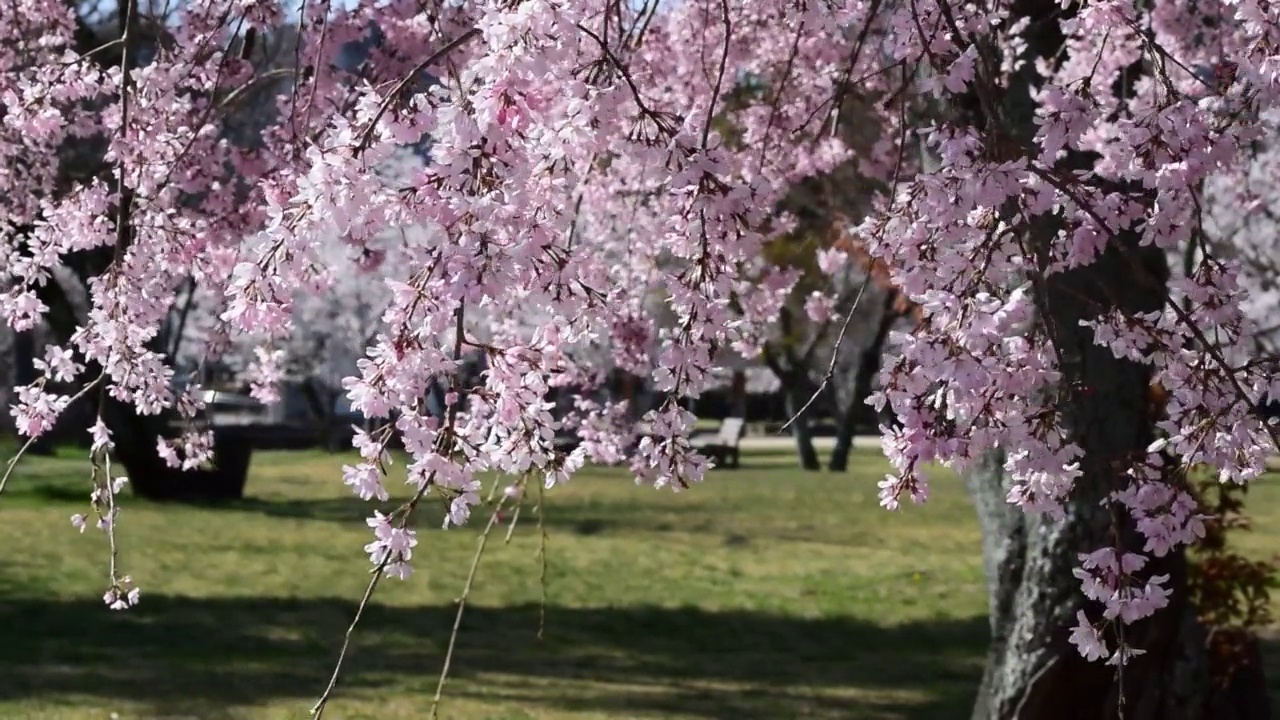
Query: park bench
<point>724,445</point>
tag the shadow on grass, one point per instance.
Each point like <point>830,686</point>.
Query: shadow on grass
<point>176,653</point>
<point>571,514</point>
<point>582,516</point>
<point>582,519</point>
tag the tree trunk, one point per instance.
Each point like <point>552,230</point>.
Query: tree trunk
<point>24,373</point>
<point>1033,672</point>
<point>796,397</point>
<point>846,425</point>
<point>436,400</point>
<point>738,395</point>
<point>135,438</point>
<point>629,388</point>
<point>320,403</point>
<point>868,366</point>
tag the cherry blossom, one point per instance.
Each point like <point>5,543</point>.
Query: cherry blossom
<point>602,180</point>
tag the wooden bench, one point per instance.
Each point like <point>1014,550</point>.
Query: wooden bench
<point>724,446</point>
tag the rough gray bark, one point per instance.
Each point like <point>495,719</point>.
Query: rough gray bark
<point>1032,671</point>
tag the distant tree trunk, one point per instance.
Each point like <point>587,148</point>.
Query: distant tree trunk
<point>436,399</point>
<point>629,388</point>
<point>136,438</point>
<point>796,396</point>
<point>738,395</point>
<point>846,428</point>
<point>24,373</point>
<point>320,403</point>
<point>869,359</point>
<point>797,389</point>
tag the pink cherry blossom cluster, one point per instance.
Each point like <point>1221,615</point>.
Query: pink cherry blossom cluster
<point>601,179</point>
<point>605,429</point>
<point>985,371</point>
<point>392,547</point>
<point>1108,577</point>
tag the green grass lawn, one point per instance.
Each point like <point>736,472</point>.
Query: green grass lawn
<point>763,593</point>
